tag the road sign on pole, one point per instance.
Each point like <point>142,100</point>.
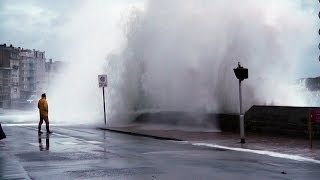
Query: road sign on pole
<point>103,82</point>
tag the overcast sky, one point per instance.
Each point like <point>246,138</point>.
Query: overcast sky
<point>41,25</point>
<point>33,24</point>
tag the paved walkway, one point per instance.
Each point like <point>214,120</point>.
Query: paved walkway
<point>88,153</point>
<point>10,167</point>
<point>287,145</point>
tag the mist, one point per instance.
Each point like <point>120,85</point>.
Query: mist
<point>179,55</point>
<point>94,31</point>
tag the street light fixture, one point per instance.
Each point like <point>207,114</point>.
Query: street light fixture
<point>241,74</point>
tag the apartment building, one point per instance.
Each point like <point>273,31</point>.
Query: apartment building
<point>22,74</point>
<point>5,87</point>
<point>53,69</point>
<point>9,75</point>
<point>15,73</point>
<point>32,73</point>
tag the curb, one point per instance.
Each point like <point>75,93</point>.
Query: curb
<point>139,134</point>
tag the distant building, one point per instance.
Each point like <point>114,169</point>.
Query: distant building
<point>9,75</point>
<point>53,69</point>
<point>15,73</point>
<point>5,53</point>
<point>5,90</point>
<point>32,73</point>
<point>22,75</point>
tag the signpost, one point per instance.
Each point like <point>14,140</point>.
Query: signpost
<point>314,117</point>
<point>103,82</point>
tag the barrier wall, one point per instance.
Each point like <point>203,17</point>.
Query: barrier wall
<point>268,120</point>
<point>280,120</point>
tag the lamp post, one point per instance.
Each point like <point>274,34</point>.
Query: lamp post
<point>241,74</point>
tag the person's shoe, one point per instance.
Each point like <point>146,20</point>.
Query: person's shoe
<point>40,132</point>
<point>49,132</point>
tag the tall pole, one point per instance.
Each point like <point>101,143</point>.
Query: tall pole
<point>241,115</point>
<point>104,107</point>
<point>310,129</point>
<point>241,74</point>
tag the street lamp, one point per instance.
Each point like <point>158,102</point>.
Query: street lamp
<point>241,74</point>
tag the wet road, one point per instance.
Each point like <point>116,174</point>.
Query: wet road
<point>89,153</point>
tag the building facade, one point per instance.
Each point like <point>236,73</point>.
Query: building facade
<point>22,75</point>
<point>15,74</point>
<point>5,88</point>
<point>53,69</point>
<point>9,57</point>
<point>32,73</point>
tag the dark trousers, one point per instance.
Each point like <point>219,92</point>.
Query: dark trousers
<point>46,120</point>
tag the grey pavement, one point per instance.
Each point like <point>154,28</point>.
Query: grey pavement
<point>273,143</point>
<point>89,153</point>
<point>10,167</point>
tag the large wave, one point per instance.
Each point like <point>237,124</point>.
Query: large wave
<point>179,55</point>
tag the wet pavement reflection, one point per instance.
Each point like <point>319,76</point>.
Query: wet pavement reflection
<point>89,153</point>
<point>47,145</point>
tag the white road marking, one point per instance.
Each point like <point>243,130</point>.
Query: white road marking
<point>28,124</point>
<point>268,153</point>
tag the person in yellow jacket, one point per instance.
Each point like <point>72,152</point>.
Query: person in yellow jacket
<point>43,110</point>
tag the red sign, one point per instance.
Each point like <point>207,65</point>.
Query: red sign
<point>315,115</point>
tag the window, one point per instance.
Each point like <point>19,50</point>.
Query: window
<point>15,67</point>
<point>13,55</point>
<point>6,74</point>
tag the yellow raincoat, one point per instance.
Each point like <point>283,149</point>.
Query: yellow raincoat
<point>43,108</point>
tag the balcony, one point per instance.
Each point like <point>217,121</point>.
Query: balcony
<point>28,89</point>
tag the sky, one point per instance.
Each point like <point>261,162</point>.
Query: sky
<point>33,24</point>
<point>45,25</point>
<point>42,24</point>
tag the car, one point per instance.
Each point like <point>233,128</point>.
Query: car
<point>32,99</point>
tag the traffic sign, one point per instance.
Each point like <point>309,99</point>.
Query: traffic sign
<point>103,81</point>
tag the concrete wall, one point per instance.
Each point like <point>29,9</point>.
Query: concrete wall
<point>179,119</point>
<point>266,120</point>
<point>280,120</point>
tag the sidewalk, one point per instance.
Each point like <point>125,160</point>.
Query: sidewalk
<point>286,145</point>
<point>10,167</point>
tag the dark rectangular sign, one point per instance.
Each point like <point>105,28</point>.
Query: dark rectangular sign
<point>315,115</point>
